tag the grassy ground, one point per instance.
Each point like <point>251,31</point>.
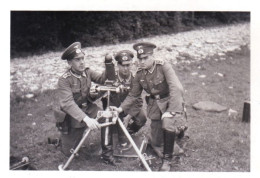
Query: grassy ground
<point>217,143</point>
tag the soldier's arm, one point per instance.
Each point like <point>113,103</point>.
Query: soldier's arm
<point>175,88</point>
<point>67,102</point>
<point>133,95</point>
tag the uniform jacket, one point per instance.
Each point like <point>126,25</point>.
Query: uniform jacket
<point>74,93</point>
<point>117,98</point>
<point>159,80</point>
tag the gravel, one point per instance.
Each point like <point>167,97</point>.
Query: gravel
<point>36,74</point>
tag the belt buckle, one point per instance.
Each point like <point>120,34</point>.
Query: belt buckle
<point>157,97</point>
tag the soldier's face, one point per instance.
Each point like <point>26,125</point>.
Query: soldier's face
<point>124,69</point>
<point>146,62</point>
<point>77,64</point>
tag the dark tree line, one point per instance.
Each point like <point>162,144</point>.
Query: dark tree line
<point>34,32</point>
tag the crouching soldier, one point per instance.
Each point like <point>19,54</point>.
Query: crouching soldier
<point>165,101</point>
<point>76,102</point>
<point>124,77</point>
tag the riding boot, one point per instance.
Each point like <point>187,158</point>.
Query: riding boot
<point>168,138</point>
<point>107,146</point>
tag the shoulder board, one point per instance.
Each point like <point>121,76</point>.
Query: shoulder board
<point>161,62</point>
<point>67,74</point>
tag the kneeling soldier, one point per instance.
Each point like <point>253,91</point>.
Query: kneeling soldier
<point>125,77</point>
<point>165,101</point>
<point>76,102</point>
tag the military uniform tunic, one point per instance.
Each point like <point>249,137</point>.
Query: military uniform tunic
<point>160,81</point>
<point>74,95</point>
<point>166,95</point>
<point>117,98</point>
<point>75,100</point>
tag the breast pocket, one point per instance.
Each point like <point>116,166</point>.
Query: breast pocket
<point>144,84</point>
<point>159,82</point>
<point>76,94</point>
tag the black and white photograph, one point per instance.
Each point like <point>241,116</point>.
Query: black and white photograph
<point>130,90</point>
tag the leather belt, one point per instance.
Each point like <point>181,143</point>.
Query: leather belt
<point>157,97</point>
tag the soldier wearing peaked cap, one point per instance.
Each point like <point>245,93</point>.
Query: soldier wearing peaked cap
<point>125,77</point>
<point>76,101</point>
<point>165,101</point>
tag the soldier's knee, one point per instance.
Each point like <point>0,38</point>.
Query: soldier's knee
<point>168,124</point>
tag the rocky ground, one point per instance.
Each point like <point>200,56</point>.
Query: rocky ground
<point>36,74</point>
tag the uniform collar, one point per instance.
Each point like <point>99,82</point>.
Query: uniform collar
<point>77,75</point>
<point>152,68</point>
<point>122,79</point>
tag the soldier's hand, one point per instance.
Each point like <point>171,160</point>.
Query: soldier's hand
<point>126,120</point>
<point>113,108</point>
<point>108,58</point>
<point>91,123</point>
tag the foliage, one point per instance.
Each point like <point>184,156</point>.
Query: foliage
<point>34,32</point>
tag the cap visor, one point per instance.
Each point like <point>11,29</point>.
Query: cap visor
<point>126,62</point>
<point>142,56</point>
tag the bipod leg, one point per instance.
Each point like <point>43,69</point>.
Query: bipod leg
<point>75,151</point>
<point>134,145</point>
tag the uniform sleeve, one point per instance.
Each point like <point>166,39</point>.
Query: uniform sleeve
<point>133,96</point>
<point>67,102</point>
<point>175,88</point>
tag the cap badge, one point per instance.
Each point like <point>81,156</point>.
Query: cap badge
<point>140,51</point>
<point>78,51</point>
<point>124,58</point>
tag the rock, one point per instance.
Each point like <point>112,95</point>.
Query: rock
<point>219,74</point>
<point>29,95</point>
<point>210,41</point>
<point>202,76</point>
<point>209,106</point>
<point>194,73</point>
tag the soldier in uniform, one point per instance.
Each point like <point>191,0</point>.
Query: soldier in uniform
<point>165,100</point>
<point>76,102</point>
<point>125,77</point>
